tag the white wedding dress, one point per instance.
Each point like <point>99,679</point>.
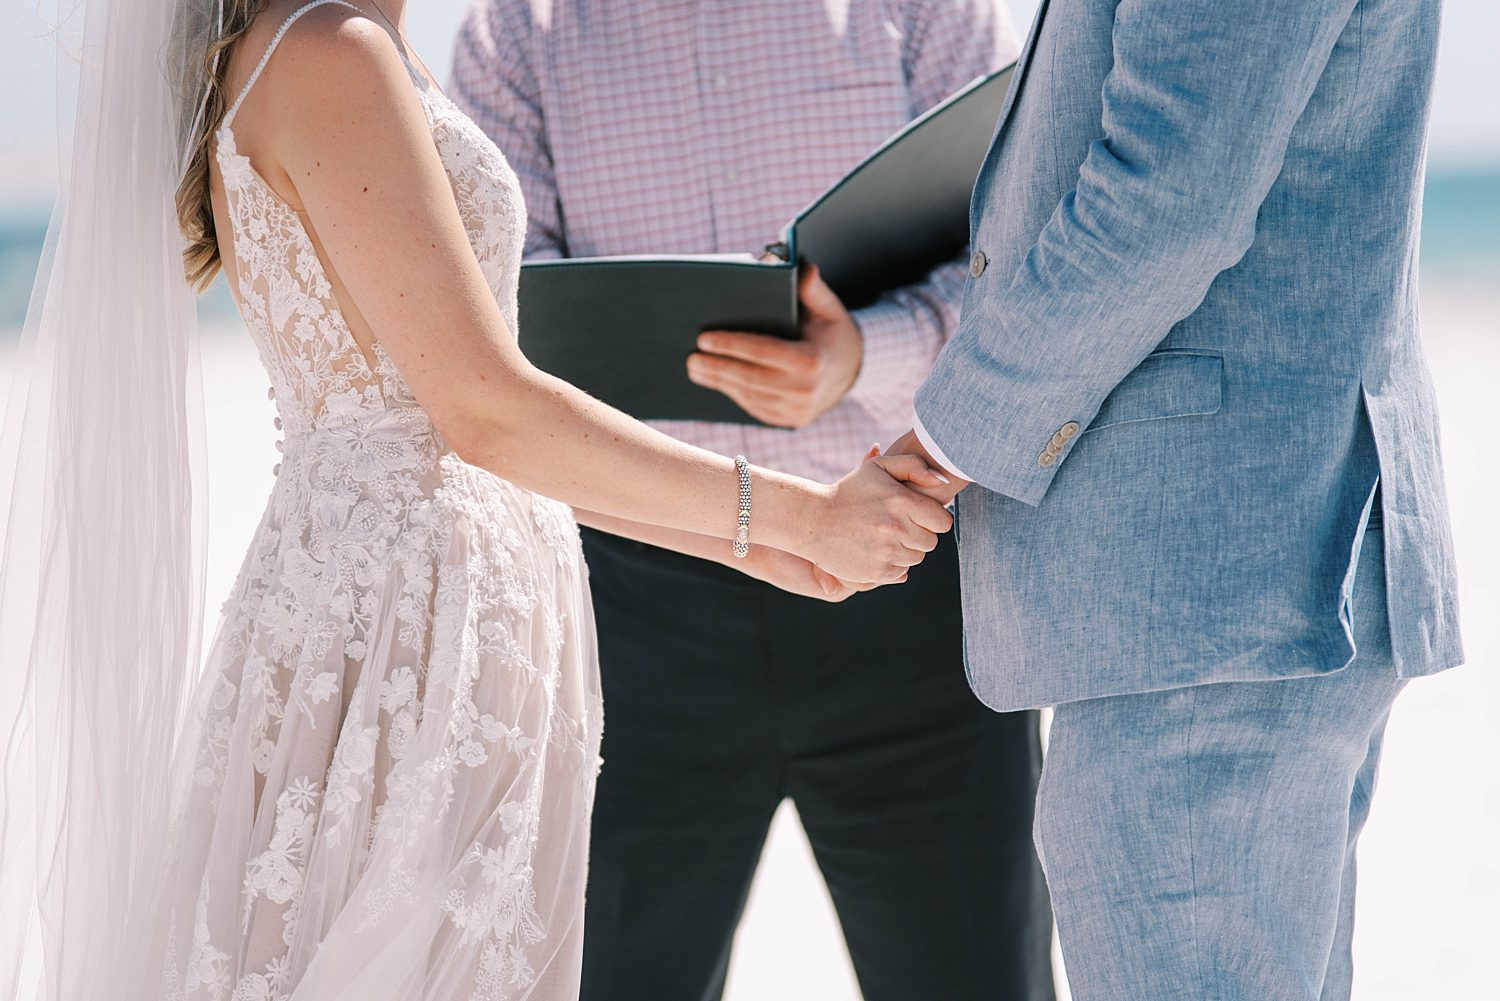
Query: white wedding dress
<point>392,762</point>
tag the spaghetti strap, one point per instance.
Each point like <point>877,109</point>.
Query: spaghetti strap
<point>275,41</point>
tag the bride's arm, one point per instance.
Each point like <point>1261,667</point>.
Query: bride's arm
<point>350,135</point>
<point>788,572</point>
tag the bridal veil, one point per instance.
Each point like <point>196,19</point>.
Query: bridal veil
<point>102,462</point>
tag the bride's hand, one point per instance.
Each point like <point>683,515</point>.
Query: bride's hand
<point>794,574</point>
<point>874,525</point>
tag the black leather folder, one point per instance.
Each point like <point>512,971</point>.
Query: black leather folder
<point>622,327</point>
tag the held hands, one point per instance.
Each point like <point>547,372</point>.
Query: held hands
<point>874,523</point>
<point>786,383</point>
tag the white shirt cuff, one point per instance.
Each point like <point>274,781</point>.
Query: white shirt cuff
<point>932,449</point>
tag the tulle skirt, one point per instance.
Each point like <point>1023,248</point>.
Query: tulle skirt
<point>386,790</point>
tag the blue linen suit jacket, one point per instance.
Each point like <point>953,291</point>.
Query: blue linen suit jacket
<point>1190,350</point>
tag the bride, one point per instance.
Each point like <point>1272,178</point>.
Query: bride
<point>380,787</point>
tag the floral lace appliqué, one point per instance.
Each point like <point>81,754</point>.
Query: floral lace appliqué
<point>396,663</point>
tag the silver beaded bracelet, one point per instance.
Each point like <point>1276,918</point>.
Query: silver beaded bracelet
<point>742,536</point>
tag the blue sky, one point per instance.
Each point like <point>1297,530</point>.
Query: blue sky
<point>1465,126</point>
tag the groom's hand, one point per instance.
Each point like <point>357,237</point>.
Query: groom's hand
<point>786,383</point>
<point>910,444</point>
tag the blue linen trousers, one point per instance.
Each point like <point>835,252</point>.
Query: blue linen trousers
<point>1199,842</point>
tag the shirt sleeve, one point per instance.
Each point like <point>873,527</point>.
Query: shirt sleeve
<point>1164,201</point>
<point>493,82</point>
<point>938,456</point>
<point>945,44</point>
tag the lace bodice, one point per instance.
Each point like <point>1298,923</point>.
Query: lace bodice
<point>319,373</point>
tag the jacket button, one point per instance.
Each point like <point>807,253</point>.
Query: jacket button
<point>1058,441</point>
<point>1068,430</point>
<point>978,263</point>
<point>1046,458</point>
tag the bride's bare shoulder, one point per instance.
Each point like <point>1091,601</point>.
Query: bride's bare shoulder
<point>331,45</point>
<point>334,95</point>
<point>334,67</point>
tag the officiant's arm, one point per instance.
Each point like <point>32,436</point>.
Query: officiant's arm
<point>945,45</point>
<point>493,83</point>
<point>1198,111</point>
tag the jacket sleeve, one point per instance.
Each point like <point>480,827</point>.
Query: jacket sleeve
<point>1198,111</point>
<point>494,84</point>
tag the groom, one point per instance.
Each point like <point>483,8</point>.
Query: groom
<point>1208,518</point>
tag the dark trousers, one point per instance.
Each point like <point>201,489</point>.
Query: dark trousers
<point>724,696</point>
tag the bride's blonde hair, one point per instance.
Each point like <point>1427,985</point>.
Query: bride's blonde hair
<point>195,211</point>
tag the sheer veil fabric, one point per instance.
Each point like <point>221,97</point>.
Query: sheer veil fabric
<point>100,585</point>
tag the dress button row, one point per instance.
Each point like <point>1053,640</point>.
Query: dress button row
<point>276,423</point>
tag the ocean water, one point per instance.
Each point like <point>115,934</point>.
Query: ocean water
<point>1429,906</point>
<point>1460,244</point>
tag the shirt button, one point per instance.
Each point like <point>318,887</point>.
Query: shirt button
<point>276,423</point>
<point>731,174</point>
<point>276,469</point>
<point>270,392</point>
<point>978,264</point>
<point>721,81</point>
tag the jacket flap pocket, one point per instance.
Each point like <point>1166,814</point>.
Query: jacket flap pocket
<point>1172,383</point>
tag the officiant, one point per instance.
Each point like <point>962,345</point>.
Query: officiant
<point>699,127</point>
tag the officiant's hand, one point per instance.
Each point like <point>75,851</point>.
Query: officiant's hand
<point>786,383</point>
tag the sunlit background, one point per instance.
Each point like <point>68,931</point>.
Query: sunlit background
<point>1429,917</point>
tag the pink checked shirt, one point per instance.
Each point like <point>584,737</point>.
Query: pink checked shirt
<point>703,126</point>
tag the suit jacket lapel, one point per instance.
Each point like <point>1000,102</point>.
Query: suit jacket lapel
<point>1017,78</point>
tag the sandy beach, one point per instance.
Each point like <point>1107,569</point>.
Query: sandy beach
<point>1429,913</point>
